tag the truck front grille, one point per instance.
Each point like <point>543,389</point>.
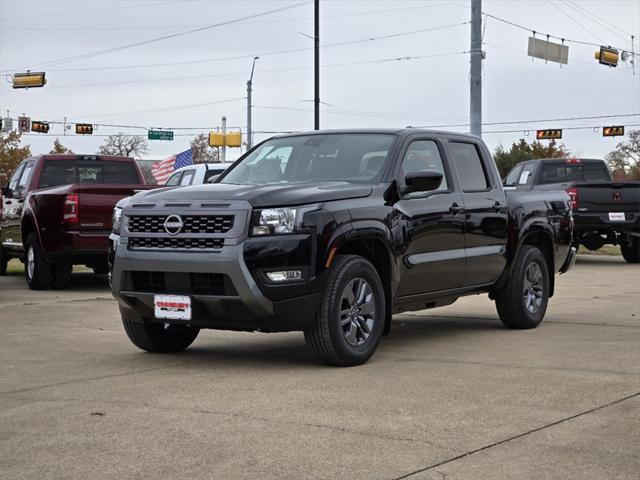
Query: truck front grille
<point>181,283</point>
<point>191,223</point>
<point>175,243</point>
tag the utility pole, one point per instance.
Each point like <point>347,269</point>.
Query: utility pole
<point>316,64</point>
<point>224,131</point>
<point>475,97</point>
<point>249,85</point>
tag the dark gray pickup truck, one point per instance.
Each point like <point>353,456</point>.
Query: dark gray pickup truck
<point>332,232</point>
<point>604,211</point>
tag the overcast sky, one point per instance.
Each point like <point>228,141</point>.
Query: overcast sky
<point>362,84</point>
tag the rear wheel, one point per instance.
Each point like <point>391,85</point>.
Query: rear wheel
<point>630,249</point>
<point>160,337</point>
<point>37,270</point>
<point>522,302</point>
<point>351,317</point>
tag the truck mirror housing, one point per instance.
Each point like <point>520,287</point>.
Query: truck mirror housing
<point>422,181</point>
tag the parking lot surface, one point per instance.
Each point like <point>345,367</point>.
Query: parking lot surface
<point>450,394</point>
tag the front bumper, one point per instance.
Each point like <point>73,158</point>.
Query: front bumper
<point>241,307</point>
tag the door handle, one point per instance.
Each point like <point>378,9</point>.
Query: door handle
<point>455,208</point>
<point>498,206</point>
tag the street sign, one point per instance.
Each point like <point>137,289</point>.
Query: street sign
<point>549,134</point>
<point>553,52</point>
<point>24,124</point>
<point>160,135</point>
<point>7,124</point>
<point>612,131</point>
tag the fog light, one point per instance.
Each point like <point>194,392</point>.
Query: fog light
<point>285,275</point>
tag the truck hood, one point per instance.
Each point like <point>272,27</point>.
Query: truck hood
<point>259,195</point>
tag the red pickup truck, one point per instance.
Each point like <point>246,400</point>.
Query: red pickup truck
<point>56,213</point>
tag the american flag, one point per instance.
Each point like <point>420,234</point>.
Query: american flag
<point>163,169</point>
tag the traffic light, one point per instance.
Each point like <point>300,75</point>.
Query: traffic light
<point>84,129</point>
<point>231,139</point>
<point>607,56</point>
<point>549,134</point>
<point>234,139</point>
<point>216,139</point>
<point>29,80</point>
<point>40,127</point>
<point>612,131</point>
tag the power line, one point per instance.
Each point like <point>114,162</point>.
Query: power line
<point>584,127</point>
<point>538,32</point>
<point>263,54</point>
<point>167,27</point>
<point>602,22</point>
<point>273,70</point>
<point>164,37</point>
<point>574,20</point>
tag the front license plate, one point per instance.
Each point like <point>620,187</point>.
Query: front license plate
<point>616,217</point>
<point>174,307</point>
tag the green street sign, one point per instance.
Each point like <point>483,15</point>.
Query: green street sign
<point>160,135</point>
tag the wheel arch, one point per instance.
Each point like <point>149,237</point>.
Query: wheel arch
<point>376,251</point>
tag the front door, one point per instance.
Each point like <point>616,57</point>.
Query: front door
<point>429,226</point>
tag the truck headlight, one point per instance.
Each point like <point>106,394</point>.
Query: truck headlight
<point>116,220</point>
<point>270,221</point>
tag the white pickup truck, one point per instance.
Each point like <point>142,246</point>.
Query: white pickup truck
<point>198,174</point>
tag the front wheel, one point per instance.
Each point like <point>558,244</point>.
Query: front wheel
<point>523,301</point>
<point>351,317</point>
<point>630,249</point>
<point>160,337</point>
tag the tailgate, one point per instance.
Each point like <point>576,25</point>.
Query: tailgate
<point>609,197</point>
<point>96,203</point>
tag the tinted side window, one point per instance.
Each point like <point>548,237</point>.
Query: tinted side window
<point>13,181</point>
<point>187,177</point>
<point>469,166</point>
<point>423,155</point>
<point>514,176</point>
<point>173,180</point>
<point>24,178</point>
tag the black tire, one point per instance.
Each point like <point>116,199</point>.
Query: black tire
<point>517,303</point>
<point>630,249</point>
<point>4,261</point>
<point>160,337</point>
<point>101,268</point>
<point>60,275</point>
<point>334,341</point>
<point>39,278</point>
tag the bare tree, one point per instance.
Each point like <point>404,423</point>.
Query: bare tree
<point>202,152</point>
<point>124,145</point>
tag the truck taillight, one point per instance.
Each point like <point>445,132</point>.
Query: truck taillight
<point>573,197</point>
<point>71,206</point>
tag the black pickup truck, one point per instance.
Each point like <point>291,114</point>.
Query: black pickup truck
<point>332,232</point>
<point>604,211</point>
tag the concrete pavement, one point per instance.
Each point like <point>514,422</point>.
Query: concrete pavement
<point>450,394</point>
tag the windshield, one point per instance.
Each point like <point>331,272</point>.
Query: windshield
<point>326,157</point>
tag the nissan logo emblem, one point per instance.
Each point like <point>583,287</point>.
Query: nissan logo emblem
<point>173,224</point>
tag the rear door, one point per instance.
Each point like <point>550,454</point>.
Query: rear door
<point>485,212</point>
<point>430,224</point>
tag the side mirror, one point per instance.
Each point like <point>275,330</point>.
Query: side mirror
<point>213,179</point>
<point>422,181</point>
